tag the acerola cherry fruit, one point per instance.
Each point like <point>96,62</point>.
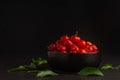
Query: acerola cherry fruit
<point>74,49</point>
<point>73,44</point>
<point>64,38</point>
<point>52,47</point>
<point>75,39</point>
<point>60,48</point>
<point>81,44</point>
<point>67,43</point>
<point>83,51</point>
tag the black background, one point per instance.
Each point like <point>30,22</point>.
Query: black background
<point>31,26</point>
<point>27,28</point>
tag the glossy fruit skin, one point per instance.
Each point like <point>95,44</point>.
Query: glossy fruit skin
<point>67,43</point>
<point>75,39</point>
<point>84,51</point>
<point>81,44</point>
<point>89,43</point>
<point>61,48</point>
<point>74,49</point>
<point>63,38</point>
<point>92,48</point>
<point>52,47</point>
<point>95,47</point>
<point>59,42</point>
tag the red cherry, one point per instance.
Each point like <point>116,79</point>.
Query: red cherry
<point>95,48</point>
<point>81,44</point>
<point>89,43</point>
<point>67,43</point>
<point>63,38</point>
<point>90,49</point>
<point>59,42</point>
<point>83,51</point>
<point>75,39</point>
<point>60,48</point>
<point>52,47</point>
<point>87,46</point>
<point>74,49</point>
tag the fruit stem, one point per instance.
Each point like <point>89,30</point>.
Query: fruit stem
<point>76,33</point>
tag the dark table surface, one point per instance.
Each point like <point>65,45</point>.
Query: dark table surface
<point>9,60</point>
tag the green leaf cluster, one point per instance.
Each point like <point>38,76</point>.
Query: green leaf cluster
<point>38,66</point>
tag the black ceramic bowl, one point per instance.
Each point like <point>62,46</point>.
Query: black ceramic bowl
<point>71,62</point>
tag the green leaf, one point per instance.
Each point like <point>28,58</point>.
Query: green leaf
<point>42,62</point>
<point>90,71</point>
<point>30,67</point>
<point>35,64</point>
<point>19,68</point>
<point>39,61</point>
<point>107,66</point>
<point>46,73</point>
<point>33,60</point>
<point>33,71</point>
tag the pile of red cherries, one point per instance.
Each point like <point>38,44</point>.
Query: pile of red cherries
<point>73,44</point>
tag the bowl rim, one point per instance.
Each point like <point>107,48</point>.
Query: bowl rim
<point>87,53</point>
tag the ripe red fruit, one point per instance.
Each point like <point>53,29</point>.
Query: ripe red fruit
<point>89,43</point>
<point>73,44</point>
<point>83,51</point>
<point>75,39</point>
<point>90,48</point>
<point>74,49</point>
<point>81,44</point>
<point>52,47</point>
<point>59,42</point>
<point>67,43</point>
<point>63,38</point>
<point>60,48</point>
<point>95,48</point>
